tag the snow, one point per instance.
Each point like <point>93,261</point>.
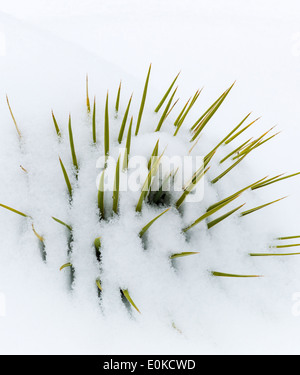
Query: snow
<point>49,48</point>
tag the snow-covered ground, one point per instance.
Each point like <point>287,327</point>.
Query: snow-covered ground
<point>46,49</point>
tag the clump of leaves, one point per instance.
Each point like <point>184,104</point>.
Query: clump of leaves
<point>234,156</point>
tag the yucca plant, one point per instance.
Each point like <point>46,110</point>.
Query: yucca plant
<point>157,190</point>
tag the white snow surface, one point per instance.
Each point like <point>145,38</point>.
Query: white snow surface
<point>50,46</point>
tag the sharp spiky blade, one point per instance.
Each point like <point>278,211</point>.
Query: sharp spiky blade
<point>240,132</point>
<point>271,254</point>
<point>273,180</point>
<point>153,155</point>
<point>184,254</point>
<point>41,238</point>
<point>62,223</point>
<point>199,126</point>
<point>129,299</point>
<point>127,147</point>
<point>88,106</point>
<point>166,94</point>
<point>118,98</point>
<point>222,274</point>
<point>288,238</point>
<point>106,128</point>
<point>65,266</point>
<point>67,180</point>
<point>146,227</point>
<point>13,210</point>
<point>94,122</point>
<point>221,218</point>
<point>216,179</point>
<point>56,125</point>
<point>72,146</point>
<point>142,103</point>
<point>123,124</point>
<point>165,112</point>
<point>210,212</point>
<point>116,187</point>
<point>260,207</point>
<point>98,283</point>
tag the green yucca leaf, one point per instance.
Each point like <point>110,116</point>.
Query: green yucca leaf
<point>129,299</point>
<point>106,128</point>
<point>184,254</point>
<point>127,147</point>
<point>181,112</point>
<point>222,274</point>
<point>13,210</point>
<point>209,110</point>
<point>122,128</point>
<point>101,195</point>
<point>116,187</point>
<point>282,246</point>
<point>266,181</point>
<point>235,195</point>
<point>208,157</point>
<point>219,219</point>
<point>166,94</point>
<point>183,116</point>
<point>73,153</point>
<point>98,283</point>
<point>196,178</point>
<point>142,103</point>
<point>97,243</point>
<point>212,152</point>
<point>241,131</point>
<point>274,179</point>
<point>210,212</point>
<point>94,121</point>
<point>118,98</point>
<point>236,150</point>
<point>66,177</point>
<point>260,207</point>
<point>147,183</point>
<point>13,117</point>
<point>270,254</point>
<point>65,265</point>
<point>62,223</point>
<point>200,124</point>
<point>153,155</point>
<point>235,128</point>
<point>41,238</point>
<point>254,144</point>
<point>165,112</point>
<point>88,106</point>
<point>287,238</point>
<point>146,227</point>
<point>173,105</point>
<point>216,179</point>
<point>265,140</point>
<point>56,125</point>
